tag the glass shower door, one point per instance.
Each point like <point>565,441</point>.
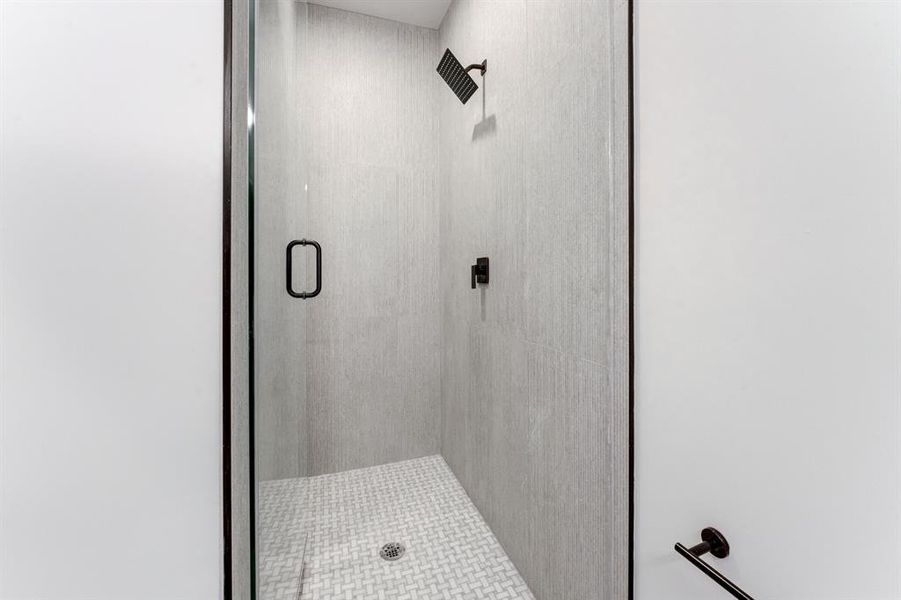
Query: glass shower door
<point>346,205</point>
<point>436,256</point>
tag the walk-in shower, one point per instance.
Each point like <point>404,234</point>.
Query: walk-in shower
<point>418,431</point>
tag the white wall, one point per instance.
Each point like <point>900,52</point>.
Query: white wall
<point>110,217</point>
<point>769,296</point>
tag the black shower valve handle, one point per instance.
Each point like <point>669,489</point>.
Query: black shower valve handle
<point>479,272</point>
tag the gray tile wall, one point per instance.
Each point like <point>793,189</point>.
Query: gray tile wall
<point>534,175</point>
<point>373,336</point>
<point>347,154</point>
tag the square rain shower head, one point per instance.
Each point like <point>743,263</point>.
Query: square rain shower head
<point>456,76</point>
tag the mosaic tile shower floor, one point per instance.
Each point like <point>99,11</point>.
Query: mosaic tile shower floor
<point>320,538</point>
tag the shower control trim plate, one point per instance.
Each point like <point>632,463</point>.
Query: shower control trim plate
<point>479,272</point>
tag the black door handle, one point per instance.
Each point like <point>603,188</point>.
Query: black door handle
<point>715,543</point>
<point>289,284</point>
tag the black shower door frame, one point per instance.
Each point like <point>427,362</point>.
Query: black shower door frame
<point>232,199</point>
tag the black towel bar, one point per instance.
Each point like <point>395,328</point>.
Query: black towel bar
<point>715,543</point>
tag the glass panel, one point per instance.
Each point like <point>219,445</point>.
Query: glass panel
<point>281,409</point>
<point>438,420</point>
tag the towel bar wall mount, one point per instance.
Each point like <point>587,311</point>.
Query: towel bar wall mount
<point>714,543</point>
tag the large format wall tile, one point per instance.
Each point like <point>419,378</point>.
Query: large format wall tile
<point>371,199</point>
<point>535,365</point>
<point>347,154</point>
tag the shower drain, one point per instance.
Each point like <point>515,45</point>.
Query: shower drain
<point>392,551</point>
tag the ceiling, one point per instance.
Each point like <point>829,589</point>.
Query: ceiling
<point>424,13</point>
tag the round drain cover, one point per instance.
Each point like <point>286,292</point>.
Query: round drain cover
<point>392,551</point>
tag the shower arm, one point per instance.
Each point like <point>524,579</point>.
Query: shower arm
<point>483,66</point>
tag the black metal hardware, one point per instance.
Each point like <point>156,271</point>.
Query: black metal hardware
<point>288,283</point>
<point>715,543</point>
<point>458,78</point>
<point>479,271</point>
<point>482,67</point>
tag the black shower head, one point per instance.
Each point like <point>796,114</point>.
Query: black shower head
<point>457,77</point>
